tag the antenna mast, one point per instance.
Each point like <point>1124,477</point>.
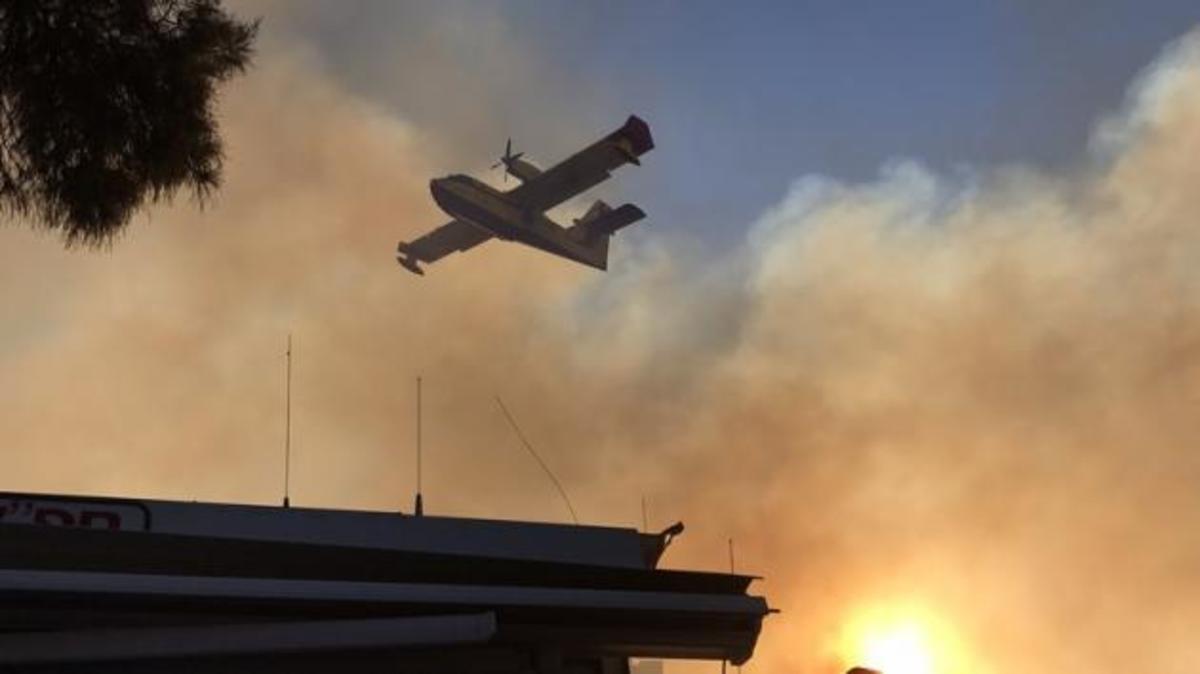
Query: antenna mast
<point>419,508</point>
<point>731,570</point>
<point>287,433</point>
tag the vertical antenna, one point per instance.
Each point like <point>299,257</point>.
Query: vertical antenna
<point>287,434</point>
<point>419,508</point>
<point>645,519</point>
<point>731,570</point>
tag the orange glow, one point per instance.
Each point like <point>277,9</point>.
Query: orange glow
<point>900,639</point>
<point>902,649</point>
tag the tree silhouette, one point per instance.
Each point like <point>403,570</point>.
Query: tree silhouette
<point>106,105</point>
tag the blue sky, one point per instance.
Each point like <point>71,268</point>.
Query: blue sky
<point>745,98</point>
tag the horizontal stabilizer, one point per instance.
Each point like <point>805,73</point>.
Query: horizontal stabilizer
<point>601,220</point>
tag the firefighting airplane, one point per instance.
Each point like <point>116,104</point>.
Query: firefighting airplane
<point>481,212</point>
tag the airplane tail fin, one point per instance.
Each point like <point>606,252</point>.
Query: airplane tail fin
<point>599,224</point>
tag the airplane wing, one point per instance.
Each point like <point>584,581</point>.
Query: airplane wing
<point>451,237</point>
<point>586,168</point>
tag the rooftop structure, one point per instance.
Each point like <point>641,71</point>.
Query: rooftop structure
<point>143,585</point>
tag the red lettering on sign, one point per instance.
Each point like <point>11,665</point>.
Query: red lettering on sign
<point>93,519</point>
<point>54,517</point>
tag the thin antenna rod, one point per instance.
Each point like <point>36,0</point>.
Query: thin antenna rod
<point>731,570</point>
<point>287,435</point>
<point>521,436</point>
<point>419,508</point>
<point>645,518</point>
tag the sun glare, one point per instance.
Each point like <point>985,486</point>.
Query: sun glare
<point>902,649</point>
<point>899,640</point>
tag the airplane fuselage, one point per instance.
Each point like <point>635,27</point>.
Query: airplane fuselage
<point>479,204</point>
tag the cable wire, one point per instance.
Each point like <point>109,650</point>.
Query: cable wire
<point>521,436</point>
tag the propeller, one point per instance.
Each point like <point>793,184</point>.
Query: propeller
<point>507,159</point>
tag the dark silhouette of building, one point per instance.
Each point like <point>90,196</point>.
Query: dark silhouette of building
<point>99,584</point>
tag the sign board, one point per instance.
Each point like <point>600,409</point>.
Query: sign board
<point>74,513</point>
